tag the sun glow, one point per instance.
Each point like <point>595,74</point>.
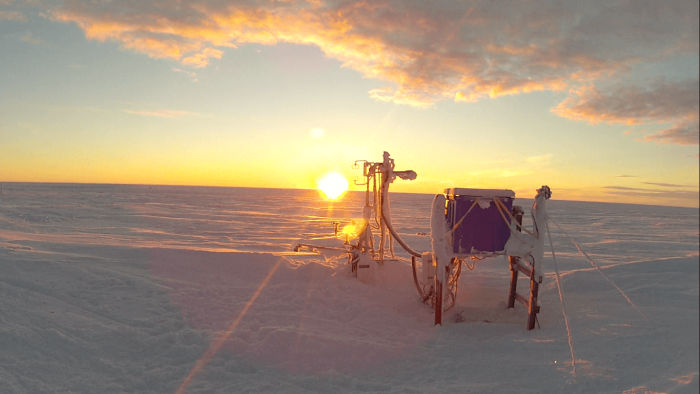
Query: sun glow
<point>333,185</point>
<point>354,229</point>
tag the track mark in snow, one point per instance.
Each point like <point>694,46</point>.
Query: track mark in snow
<point>629,301</point>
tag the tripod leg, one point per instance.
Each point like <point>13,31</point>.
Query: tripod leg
<point>533,309</point>
<point>513,281</point>
<point>438,301</point>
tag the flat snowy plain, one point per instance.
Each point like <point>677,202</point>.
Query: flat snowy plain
<point>138,289</point>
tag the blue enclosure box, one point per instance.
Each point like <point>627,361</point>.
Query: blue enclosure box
<point>483,231</point>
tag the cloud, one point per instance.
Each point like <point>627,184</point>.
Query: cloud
<point>683,133</point>
<point>661,101</point>
<point>12,16</point>
<point>162,113</point>
<point>32,40</point>
<point>626,176</point>
<point>201,59</point>
<point>545,159</point>
<point>424,51</point>
<point>9,11</point>
<point>665,184</point>
<point>186,72</point>
<point>654,193</point>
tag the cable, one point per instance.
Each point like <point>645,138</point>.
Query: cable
<point>629,301</point>
<point>423,296</point>
<point>399,240</point>
<point>561,299</point>
<point>473,265</point>
<point>452,282</point>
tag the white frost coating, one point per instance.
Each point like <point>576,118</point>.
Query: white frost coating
<point>526,246</point>
<point>439,237</point>
<point>428,270</point>
<point>480,193</point>
<point>539,215</point>
<point>484,203</point>
<point>367,213</point>
<point>366,236</point>
<point>385,207</point>
<point>366,268</point>
<point>520,245</point>
<point>408,175</point>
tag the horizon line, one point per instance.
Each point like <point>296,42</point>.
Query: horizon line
<point>303,189</point>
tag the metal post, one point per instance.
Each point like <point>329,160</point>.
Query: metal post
<point>532,308</point>
<point>438,297</point>
<point>513,281</point>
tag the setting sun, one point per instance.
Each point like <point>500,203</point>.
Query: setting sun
<point>333,185</point>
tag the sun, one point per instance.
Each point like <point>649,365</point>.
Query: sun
<point>333,185</point>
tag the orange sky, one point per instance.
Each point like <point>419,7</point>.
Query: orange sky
<point>597,100</point>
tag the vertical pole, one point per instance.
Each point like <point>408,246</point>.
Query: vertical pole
<point>518,215</point>
<point>438,235</point>
<point>532,308</point>
<point>438,296</point>
<point>513,281</point>
<point>538,213</point>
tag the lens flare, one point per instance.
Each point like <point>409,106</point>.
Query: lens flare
<point>333,185</point>
<point>354,229</point>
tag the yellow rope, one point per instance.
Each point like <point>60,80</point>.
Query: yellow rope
<point>500,210</point>
<point>463,217</point>
<point>505,208</point>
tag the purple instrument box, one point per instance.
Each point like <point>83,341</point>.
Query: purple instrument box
<point>483,229</point>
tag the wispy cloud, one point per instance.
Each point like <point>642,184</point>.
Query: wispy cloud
<point>32,40</point>
<point>162,113</point>
<point>191,74</point>
<point>626,176</point>
<point>12,16</point>
<point>201,59</point>
<point>660,102</point>
<point>10,11</point>
<point>653,193</point>
<point>683,133</point>
<point>665,184</point>
<point>544,159</point>
<point>427,51</point>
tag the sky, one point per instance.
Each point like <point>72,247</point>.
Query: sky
<point>597,99</point>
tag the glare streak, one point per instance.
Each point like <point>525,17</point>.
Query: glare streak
<point>214,348</point>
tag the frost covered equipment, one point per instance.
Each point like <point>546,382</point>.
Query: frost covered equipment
<point>472,224</point>
<point>374,244</point>
<point>465,225</point>
<point>483,230</point>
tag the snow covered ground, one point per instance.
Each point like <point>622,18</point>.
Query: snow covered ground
<point>138,289</point>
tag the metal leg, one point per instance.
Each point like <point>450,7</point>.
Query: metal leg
<point>513,281</point>
<point>531,302</point>
<point>533,309</point>
<point>438,300</point>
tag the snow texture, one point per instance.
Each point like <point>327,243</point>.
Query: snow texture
<point>124,289</point>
